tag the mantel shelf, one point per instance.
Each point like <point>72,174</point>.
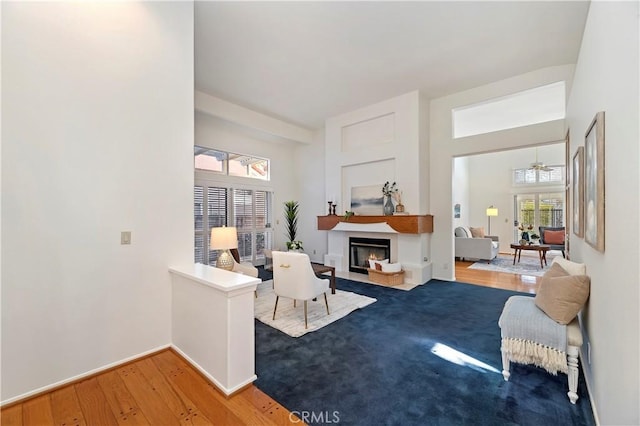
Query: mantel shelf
<point>403,224</point>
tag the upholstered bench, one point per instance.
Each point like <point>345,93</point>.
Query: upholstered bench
<point>544,330</point>
<point>521,313</point>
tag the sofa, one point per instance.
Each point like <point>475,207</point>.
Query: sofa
<point>483,247</point>
<point>554,239</point>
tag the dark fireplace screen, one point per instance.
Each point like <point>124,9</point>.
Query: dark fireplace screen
<point>363,249</point>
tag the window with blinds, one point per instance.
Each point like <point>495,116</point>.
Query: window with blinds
<point>210,210</point>
<point>531,176</point>
<point>252,219</point>
<point>246,209</point>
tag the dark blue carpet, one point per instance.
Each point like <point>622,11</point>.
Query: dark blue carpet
<point>376,365</point>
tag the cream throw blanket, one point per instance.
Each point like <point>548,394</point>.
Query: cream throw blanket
<point>529,336</point>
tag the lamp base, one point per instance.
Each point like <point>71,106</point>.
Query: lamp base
<point>225,261</point>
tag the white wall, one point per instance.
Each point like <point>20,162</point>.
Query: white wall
<point>444,148</point>
<point>310,187</point>
<point>606,79</point>
<point>97,139</point>
<point>297,167</point>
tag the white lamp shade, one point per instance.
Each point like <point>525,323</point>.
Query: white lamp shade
<point>224,238</point>
<point>492,211</point>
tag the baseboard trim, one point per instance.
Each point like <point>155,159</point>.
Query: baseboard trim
<point>228,392</point>
<point>81,377</point>
<point>587,381</point>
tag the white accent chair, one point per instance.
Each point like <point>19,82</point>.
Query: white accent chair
<point>293,277</point>
<point>245,268</point>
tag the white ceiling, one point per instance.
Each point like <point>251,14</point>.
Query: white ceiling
<point>306,61</point>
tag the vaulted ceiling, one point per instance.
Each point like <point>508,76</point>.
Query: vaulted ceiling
<point>305,61</point>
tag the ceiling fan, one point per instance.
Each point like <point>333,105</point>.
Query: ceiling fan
<point>538,165</point>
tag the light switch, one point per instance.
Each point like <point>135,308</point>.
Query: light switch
<point>125,237</point>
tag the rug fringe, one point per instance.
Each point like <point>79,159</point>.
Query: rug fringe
<point>529,352</point>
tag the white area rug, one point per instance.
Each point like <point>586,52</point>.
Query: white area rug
<point>290,320</point>
<point>528,265</point>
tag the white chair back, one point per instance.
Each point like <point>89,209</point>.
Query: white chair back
<point>293,276</point>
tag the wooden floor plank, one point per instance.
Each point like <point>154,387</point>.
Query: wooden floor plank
<point>66,407</point>
<point>93,402</point>
<point>281,416</point>
<point>175,399</point>
<point>12,416</point>
<point>148,399</point>
<point>123,406</point>
<point>257,398</point>
<point>211,402</point>
<point>37,411</point>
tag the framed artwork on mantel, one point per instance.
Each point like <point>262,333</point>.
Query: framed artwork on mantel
<point>367,200</point>
<point>577,180</point>
<point>594,183</point>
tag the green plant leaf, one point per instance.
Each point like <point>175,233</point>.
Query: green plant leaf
<point>291,218</point>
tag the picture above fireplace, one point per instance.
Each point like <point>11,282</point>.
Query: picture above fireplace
<point>366,200</point>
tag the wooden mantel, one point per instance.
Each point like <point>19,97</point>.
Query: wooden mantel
<point>404,224</point>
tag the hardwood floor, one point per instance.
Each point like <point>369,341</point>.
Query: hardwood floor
<point>506,281</point>
<point>163,389</point>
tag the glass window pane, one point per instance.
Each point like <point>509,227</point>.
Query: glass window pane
<point>198,207</point>
<point>199,249</point>
<point>246,166</point>
<point>537,105</point>
<point>209,159</point>
<point>217,207</point>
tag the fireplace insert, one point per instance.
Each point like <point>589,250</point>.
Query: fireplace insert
<point>361,250</point>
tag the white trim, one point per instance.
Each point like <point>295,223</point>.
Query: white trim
<point>213,380</point>
<point>83,375</point>
<point>364,227</point>
<point>251,119</point>
<point>589,388</point>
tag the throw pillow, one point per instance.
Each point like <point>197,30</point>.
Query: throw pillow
<point>553,237</point>
<point>391,267</point>
<point>561,296</point>
<point>572,268</point>
<point>373,262</point>
<point>477,232</point>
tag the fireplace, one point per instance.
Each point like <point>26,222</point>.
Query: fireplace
<point>363,249</point>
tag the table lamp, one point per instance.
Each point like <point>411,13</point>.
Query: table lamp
<point>224,238</point>
<point>491,211</point>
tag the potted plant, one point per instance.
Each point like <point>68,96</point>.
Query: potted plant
<point>291,218</point>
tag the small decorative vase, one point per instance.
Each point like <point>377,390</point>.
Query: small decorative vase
<point>400,208</point>
<point>388,207</point>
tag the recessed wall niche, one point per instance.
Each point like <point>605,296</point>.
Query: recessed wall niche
<point>365,174</point>
<point>365,134</point>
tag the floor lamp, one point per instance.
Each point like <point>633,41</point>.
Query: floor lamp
<point>224,238</point>
<point>491,211</point>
